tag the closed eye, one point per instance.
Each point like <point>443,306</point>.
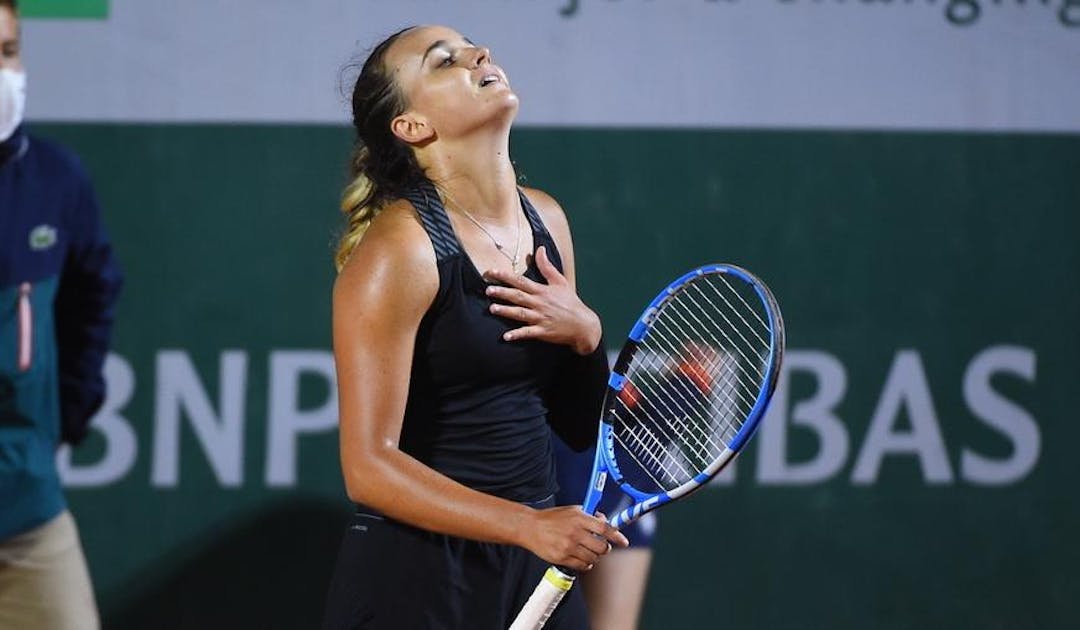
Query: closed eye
<point>444,47</point>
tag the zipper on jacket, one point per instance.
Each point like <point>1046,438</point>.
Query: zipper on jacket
<point>26,327</point>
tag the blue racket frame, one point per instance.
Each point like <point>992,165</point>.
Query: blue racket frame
<point>605,465</point>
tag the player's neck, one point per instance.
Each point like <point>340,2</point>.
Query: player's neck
<point>477,175</point>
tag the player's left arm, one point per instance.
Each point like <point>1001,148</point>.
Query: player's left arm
<point>575,398</point>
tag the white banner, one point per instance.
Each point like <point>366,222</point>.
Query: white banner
<point>1006,65</point>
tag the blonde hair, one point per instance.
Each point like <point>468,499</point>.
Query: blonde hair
<point>358,216</point>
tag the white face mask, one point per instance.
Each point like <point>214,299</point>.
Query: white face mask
<point>12,101</point>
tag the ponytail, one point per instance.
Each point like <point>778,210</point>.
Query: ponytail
<point>357,210</point>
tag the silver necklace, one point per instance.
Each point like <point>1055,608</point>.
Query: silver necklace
<point>515,260</point>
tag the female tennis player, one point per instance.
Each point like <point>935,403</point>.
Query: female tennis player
<point>460,343</point>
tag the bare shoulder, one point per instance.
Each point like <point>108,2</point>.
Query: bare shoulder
<point>555,219</point>
<point>394,264</point>
<point>552,214</point>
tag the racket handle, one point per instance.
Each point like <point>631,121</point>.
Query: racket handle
<point>549,592</point>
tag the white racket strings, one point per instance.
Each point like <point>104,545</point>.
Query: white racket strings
<point>692,383</point>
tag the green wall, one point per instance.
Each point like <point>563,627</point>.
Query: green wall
<point>879,246</point>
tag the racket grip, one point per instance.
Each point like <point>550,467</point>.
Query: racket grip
<point>549,592</point>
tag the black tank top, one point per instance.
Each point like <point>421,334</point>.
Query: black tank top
<point>475,410</point>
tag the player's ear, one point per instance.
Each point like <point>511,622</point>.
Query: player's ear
<point>411,128</point>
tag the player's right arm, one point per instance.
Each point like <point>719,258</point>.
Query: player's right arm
<point>380,297</point>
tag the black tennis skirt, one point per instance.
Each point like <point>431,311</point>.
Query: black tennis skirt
<point>392,576</point>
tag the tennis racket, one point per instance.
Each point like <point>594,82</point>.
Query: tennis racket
<point>685,395</point>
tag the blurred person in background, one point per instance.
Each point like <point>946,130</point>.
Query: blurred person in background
<point>59,283</point>
<point>615,589</point>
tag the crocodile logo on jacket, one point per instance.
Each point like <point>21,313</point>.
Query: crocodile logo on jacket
<point>42,237</point>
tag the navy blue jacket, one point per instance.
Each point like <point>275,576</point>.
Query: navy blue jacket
<point>59,282</point>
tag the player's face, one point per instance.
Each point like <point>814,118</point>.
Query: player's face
<point>9,40</point>
<point>450,81</point>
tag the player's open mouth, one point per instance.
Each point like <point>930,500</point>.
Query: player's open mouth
<point>489,79</point>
